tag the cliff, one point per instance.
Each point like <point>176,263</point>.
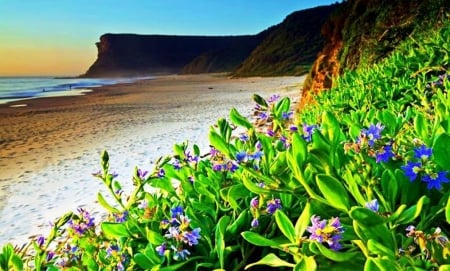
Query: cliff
<point>291,48</point>
<point>363,32</point>
<point>133,55</point>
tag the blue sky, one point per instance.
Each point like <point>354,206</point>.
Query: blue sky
<point>58,36</point>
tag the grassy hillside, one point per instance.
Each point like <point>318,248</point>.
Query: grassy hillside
<point>290,48</point>
<point>362,33</point>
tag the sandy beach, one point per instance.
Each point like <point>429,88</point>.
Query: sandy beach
<point>50,147</point>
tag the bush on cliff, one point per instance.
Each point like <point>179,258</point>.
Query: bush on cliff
<point>358,181</point>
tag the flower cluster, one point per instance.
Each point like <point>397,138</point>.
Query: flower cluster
<point>81,223</point>
<point>178,235</point>
<point>255,208</point>
<point>372,141</point>
<point>422,167</point>
<point>324,231</point>
<point>221,163</point>
<point>424,241</point>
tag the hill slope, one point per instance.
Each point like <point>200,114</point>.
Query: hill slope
<point>363,32</point>
<point>291,48</point>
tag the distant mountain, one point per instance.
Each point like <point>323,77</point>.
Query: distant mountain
<point>288,48</point>
<point>291,48</point>
<point>133,55</point>
<point>362,32</point>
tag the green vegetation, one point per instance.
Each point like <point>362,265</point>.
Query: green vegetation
<point>291,46</point>
<point>363,186</point>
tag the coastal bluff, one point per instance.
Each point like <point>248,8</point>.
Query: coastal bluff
<point>138,55</point>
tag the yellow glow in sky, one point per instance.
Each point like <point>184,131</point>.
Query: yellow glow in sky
<point>29,60</point>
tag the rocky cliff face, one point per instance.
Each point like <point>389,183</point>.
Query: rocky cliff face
<point>136,55</point>
<point>362,32</point>
<point>291,47</point>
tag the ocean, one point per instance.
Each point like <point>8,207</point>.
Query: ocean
<point>21,88</point>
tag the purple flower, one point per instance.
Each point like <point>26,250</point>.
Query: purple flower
<point>173,233</point>
<point>112,250</point>
<point>161,173</point>
<point>241,156</point>
<point>254,203</point>
<point>256,155</point>
<point>308,130</point>
<point>286,115</point>
<point>293,128</point>
<point>323,232</point>
<point>373,205</point>
<point>274,98</point>
<point>121,217</point>
<point>285,142</point>
<point>50,256</point>
<point>177,211</point>
<point>40,241</point>
<point>141,174</point>
<point>263,116</point>
<point>423,153</point>
<point>218,167</point>
<point>273,205</point>
<point>191,237</point>
<point>270,132</point>
<point>372,134</point>
<point>411,169</point>
<point>254,223</point>
<point>243,137</point>
<point>232,166</point>
<point>161,249</point>
<point>384,154</point>
<point>176,164</point>
<point>213,152</point>
<point>180,253</point>
<point>435,180</point>
<point>258,145</point>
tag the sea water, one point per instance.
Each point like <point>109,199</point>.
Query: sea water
<point>20,88</point>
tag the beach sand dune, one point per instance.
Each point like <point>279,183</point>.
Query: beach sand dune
<point>50,147</point>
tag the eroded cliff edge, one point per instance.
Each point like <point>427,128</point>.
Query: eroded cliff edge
<point>137,55</point>
<point>363,32</point>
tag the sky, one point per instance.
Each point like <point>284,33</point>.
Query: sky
<point>57,37</point>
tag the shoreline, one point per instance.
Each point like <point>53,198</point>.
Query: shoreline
<point>50,148</point>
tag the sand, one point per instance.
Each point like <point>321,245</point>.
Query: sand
<point>50,147</point>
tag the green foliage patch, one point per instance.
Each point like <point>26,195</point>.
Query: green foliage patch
<point>360,181</point>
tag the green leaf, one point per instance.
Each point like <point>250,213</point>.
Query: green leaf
<point>105,204</point>
<point>258,240</point>
<point>285,225</point>
<point>366,217</point>
<point>16,262</point>
<point>445,267</point>
<point>379,249</point>
<point>413,212</point>
<point>303,220</point>
<point>241,222</point>
<point>333,191</point>
<point>306,264</point>
<point>239,120</point>
<point>336,255</point>
<point>115,230</point>
<point>154,237</point>
<point>220,241</point>
<point>420,126</point>
<point>260,100</point>
<point>447,210</point>
<point>143,261</point>
<point>370,265</point>
<point>271,260</point>
<point>441,151</point>
<point>390,186</point>
<point>218,142</point>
